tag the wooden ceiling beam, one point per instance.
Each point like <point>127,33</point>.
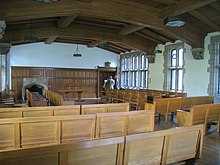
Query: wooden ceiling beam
<point>165,2</point>
<point>118,48</point>
<point>64,22</point>
<point>94,44</point>
<point>98,9</point>
<point>148,37</point>
<point>155,35</point>
<point>120,45</point>
<point>205,19</point>
<point>128,29</point>
<point>51,39</point>
<point>184,6</point>
<point>85,1</point>
<point>137,5</point>
<point>194,40</point>
<point>83,33</point>
<point>139,43</point>
<point>216,6</point>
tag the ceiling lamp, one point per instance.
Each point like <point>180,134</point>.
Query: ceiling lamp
<point>47,1</point>
<point>77,52</point>
<point>174,21</point>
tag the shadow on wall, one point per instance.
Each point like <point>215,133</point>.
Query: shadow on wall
<point>217,99</point>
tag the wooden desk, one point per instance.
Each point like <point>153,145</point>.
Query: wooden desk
<point>79,92</point>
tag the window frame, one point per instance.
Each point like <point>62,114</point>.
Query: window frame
<point>175,66</point>
<point>214,66</point>
<point>134,71</point>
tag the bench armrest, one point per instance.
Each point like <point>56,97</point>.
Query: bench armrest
<point>184,118</point>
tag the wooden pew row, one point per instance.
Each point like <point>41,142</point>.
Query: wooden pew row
<point>56,99</point>
<point>35,99</point>
<point>160,147</point>
<point>200,114</point>
<point>164,106</point>
<point>137,98</point>
<point>29,132</point>
<point>164,147</point>
<point>125,94</point>
<point>188,102</point>
<point>103,108</point>
<point>37,131</point>
<point>62,110</point>
<point>39,111</point>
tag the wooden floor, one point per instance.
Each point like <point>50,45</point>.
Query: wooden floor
<point>211,145</point>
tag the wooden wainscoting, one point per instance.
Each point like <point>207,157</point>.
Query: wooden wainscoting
<point>58,79</point>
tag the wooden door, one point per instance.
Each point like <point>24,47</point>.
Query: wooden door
<point>104,73</point>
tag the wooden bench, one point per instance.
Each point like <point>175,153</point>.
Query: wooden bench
<point>56,99</point>
<point>39,111</point>
<point>95,152</point>
<point>164,147</point>
<point>29,132</point>
<point>199,114</point>
<point>103,108</point>
<point>37,131</point>
<point>188,102</point>
<point>163,106</point>
<point>124,123</point>
<point>160,147</point>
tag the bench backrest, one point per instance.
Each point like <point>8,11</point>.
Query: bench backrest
<point>159,147</point>
<point>174,104</point>
<point>188,102</point>
<point>103,108</point>
<point>105,151</point>
<point>199,113</point>
<point>124,123</point>
<point>167,146</point>
<point>39,111</point>
<point>213,113</point>
<point>29,132</point>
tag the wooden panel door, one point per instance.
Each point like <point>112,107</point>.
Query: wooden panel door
<point>103,74</point>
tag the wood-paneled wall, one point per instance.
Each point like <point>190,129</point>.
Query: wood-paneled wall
<point>58,79</point>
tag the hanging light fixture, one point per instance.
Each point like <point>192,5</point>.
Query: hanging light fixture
<point>47,1</point>
<point>174,20</point>
<point>77,52</point>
